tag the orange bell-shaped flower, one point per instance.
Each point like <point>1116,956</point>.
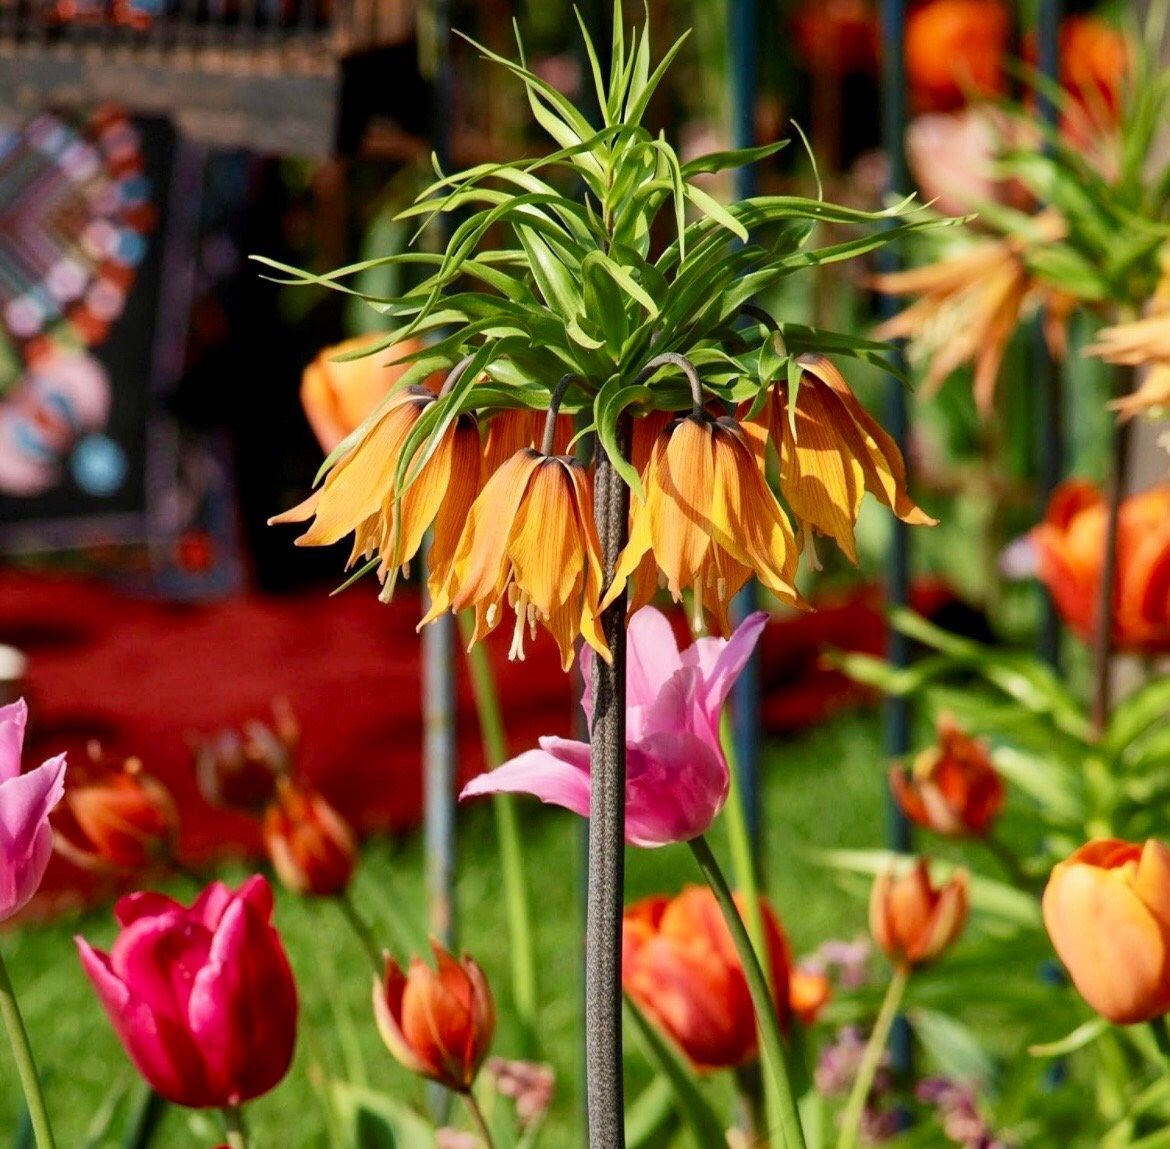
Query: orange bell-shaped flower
<point>1107,911</point>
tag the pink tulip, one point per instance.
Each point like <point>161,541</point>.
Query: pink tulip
<point>202,998</point>
<point>26,841</point>
<point>676,775</point>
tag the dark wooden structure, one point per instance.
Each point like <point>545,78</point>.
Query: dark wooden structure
<point>268,75</point>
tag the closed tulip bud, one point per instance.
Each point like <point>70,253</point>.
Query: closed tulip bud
<point>437,1022</point>
<point>808,993</point>
<point>912,922</point>
<point>120,820</point>
<point>310,845</point>
<point>680,967</point>
<point>952,788</point>
<point>202,998</point>
<point>1107,911</point>
<point>238,770</point>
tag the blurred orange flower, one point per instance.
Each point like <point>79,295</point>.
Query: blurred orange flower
<point>911,920</point>
<point>953,788</point>
<point>831,452</point>
<point>955,50</point>
<point>1095,58</point>
<point>337,396</point>
<point>837,37</point>
<point>708,518</point>
<point>808,993</point>
<point>680,967</point>
<point>310,845</point>
<point>119,821</point>
<point>1107,911</point>
<point>529,539</point>
<point>1070,549</point>
<point>437,1022</point>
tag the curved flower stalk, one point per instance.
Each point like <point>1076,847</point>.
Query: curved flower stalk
<point>676,775</point>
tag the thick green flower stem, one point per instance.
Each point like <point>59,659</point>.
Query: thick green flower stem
<point>521,940</point>
<point>25,1065</point>
<point>233,1124</point>
<point>871,1059</point>
<point>607,821</point>
<point>478,1120</point>
<point>771,1042</point>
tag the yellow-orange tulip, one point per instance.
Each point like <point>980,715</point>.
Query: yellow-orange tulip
<point>708,518</point>
<point>1107,911</point>
<point>912,921</point>
<point>529,541</point>
<point>831,452</point>
<point>337,396</point>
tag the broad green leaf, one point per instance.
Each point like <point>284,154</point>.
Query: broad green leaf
<point>1148,706</point>
<point>378,1120</point>
<point>952,1045</point>
<point>608,408</point>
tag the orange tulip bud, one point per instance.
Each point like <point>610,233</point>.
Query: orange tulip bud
<point>310,845</point>
<point>337,396</point>
<point>912,922</point>
<point>437,1022</point>
<point>1107,911</point>
<point>808,994</point>
<point>953,788</point>
<point>680,966</point>
<point>120,820</point>
<point>955,49</point>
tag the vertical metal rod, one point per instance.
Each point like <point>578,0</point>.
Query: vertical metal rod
<point>607,839</point>
<point>1049,429</point>
<point>897,710</point>
<point>745,712</point>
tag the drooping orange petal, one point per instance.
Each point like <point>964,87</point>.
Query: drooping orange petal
<point>462,489</point>
<point>678,499</point>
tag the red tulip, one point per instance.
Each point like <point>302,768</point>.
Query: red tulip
<point>911,920</point>
<point>122,821</point>
<point>1070,549</point>
<point>437,1022</point>
<point>953,788</point>
<point>202,998</point>
<point>311,846</point>
<point>680,966</point>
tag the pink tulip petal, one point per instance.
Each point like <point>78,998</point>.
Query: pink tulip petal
<point>160,956</point>
<point>652,656</point>
<point>557,773</point>
<point>720,662</point>
<point>243,1005</point>
<point>163,1052</point>
<point>25,802</point>
<point>144,904</point>
<point>13,719</point>
<point>21,880</point>
<point>675,787</point>
<point>212,904</point>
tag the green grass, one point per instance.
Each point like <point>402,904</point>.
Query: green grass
<point>823,790</point>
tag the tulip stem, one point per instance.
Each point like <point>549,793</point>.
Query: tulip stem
<point>1161,1037</point>
<point>478,1120</point>
<point>1007,858</point>
<point>26,1066</point>
<point>362,931</point>
<point>1107,588</point>
<point>766,1018</point>
<point>233,1123</point>
<point>870,1060</point>
<point>521,945</point>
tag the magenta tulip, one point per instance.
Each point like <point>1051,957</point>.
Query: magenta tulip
<point>202,998</point>
<point>26,841</point>
<point>676,775</point>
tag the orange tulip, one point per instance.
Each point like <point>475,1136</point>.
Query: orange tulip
<point>955,51</point>
<point>708,520</point>
<point>122,821</point>
<point>912,922</point>
<point>309,843</point>
<point>1070,547</point>
<point>528,541</point>
<point>1107,911</point>
<point>680,967</point>
<point>952,788</point>
<point>1094,61</point>
<point>337,396</point>
<point>831,452</point>
<point>437,1022</point>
